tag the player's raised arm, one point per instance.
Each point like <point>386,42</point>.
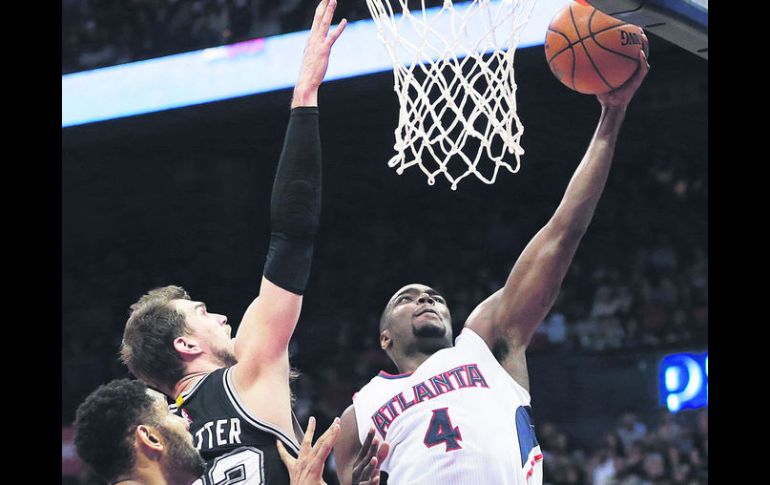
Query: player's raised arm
<point>295,208</point>
<point>511,315</point>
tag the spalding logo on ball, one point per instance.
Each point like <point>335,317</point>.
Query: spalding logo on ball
<point>590,51</point>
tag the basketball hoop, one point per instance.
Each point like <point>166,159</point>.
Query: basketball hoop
<point>453,70</point>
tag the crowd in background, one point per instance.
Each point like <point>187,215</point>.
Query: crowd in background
<point>652,295</point>
<point>646,291</point>
<point>97,33</point>
<point>671,451</point>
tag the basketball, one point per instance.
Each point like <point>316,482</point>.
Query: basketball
<point>591,52</point>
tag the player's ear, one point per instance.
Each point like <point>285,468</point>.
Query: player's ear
<point>187,345</point>
<point>385,340</point>
<point>147,437</point>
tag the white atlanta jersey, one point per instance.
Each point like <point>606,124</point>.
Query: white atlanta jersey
<point>459,419</point>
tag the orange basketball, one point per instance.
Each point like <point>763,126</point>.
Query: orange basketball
<point>590,51</point>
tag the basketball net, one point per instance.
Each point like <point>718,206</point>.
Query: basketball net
<point>453,73</point>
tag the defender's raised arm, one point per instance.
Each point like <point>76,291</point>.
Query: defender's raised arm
<point>295,211</point>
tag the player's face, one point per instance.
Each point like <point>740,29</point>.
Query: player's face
<point>211,330</point>
<point>180,453</point>
<point>418,312</point>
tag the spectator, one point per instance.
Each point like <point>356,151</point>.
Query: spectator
<point>653,467</point>
<point>99,34</point>
<point>630,430</point>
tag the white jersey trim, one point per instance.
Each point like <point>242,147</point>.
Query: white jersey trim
<point>173,407</point>
<point>232,394</point>
<point>489,351</point>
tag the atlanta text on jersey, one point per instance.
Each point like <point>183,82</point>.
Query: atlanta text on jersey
<point>464,376</point>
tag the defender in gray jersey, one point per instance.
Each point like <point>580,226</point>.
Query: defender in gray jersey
<point>459,415</point>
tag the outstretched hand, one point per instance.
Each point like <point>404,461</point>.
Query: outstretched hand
<point>309,467</point>
<point>621,96</point>
<point>316,58</point>
<point>366,468</point>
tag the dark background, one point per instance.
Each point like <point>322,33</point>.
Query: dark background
<point>182,197</point>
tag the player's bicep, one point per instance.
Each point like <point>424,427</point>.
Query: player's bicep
<point>267,326</point>
<point>482,319</point>
<point>347,447</point>
<point>533,285</point>
<point>514,312</point>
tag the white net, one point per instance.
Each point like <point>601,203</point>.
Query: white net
<point>453,70</point>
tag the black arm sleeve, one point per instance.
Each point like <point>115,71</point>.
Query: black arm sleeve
<point>295,204</point>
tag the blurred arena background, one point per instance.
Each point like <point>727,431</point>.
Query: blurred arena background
<point>181,197</point>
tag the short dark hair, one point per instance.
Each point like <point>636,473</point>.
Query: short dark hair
<point>148,339</point>
<point>104,426</point>
<point>384,320</point>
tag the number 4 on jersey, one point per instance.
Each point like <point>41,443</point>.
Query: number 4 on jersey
<point>440,430</point>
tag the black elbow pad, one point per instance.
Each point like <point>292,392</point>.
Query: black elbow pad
<point>297,210</point>
<point>295,204</point>
<point>288,262</point>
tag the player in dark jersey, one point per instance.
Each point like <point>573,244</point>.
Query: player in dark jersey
<point>235,392</point>
<point>416,333</point>
<point>125,432</point>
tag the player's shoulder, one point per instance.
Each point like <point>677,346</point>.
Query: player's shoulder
<point>469,339</point>
<point>349,414</point>
<point>213,382</point>
<point>380,384</point>
<point>379,380</point>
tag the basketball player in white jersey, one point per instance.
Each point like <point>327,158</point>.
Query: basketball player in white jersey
<point>460,415</point>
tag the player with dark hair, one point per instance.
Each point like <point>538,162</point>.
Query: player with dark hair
<point>460,415</point>
<point>125,432</point>
<point>235,392</point>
